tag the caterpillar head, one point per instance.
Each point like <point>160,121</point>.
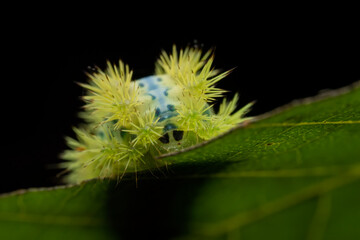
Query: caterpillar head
<point>175,139</point>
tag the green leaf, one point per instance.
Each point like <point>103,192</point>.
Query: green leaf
<point>291,174</point>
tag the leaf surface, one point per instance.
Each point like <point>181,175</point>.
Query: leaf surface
<point>290,174</point>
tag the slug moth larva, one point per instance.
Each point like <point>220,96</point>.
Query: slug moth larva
<point>129,122</point>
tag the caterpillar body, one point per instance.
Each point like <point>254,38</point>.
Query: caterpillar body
<point>129,123</point>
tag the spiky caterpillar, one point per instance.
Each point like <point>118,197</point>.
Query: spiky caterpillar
<point>128,122</point>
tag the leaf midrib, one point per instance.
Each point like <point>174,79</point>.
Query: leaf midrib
<point>290,124</point>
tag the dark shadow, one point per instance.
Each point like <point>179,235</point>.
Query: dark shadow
<point>158,208</point>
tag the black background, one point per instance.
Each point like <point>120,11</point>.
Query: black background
<point>278,57</point>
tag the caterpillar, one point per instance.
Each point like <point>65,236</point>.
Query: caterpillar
<point>130,122</point>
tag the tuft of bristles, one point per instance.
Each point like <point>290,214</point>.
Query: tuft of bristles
<point>102,156</point>
<point>112,95</point>
<point>193,71</point>
<point>147,131</point>
<point>226,118</point>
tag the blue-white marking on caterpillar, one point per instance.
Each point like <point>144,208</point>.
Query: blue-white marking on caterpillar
<point>159,89</point>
